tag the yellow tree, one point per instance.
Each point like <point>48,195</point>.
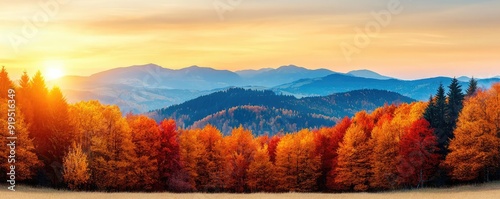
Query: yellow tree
<point>191,151</point>
<point>353,159</point>
<point>88,120</point>
<point>106,137</point>
<point>297,163</point>
<point>241,148</point>
<point>210,166</point>
<point>474,152</point>
<point>117,149</point>
<point>384,158</point>
<point>76,168</point>
<point>261,172</point>
<point>407,114</point>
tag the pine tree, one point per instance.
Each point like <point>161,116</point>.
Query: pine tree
<point>453,107</point>
<point>435,114</point>
<point>430,111</point>
<point>60,132</point>
<point>24,98</point>
<point>5,83</point>
<point>471,90</point>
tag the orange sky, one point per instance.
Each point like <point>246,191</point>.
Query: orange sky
<point>450,38</point>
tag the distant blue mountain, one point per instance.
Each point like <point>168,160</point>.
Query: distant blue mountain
<point>368,74</point>
<point>281,75</point>
<point>335,83</point>
<point>142,88</point>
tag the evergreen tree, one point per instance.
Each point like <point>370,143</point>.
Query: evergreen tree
<point>453,107</point>
<point>59,132</point>
<point>471,91</point>
<point>430,112</point>
<point>23,98</point>
<point>435,114</point>
<point>5,83</point>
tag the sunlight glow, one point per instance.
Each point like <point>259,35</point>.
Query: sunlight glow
<point>53,69</point>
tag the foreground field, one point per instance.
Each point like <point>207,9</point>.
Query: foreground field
<point>485,191</point>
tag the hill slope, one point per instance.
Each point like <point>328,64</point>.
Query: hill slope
<point>235,106</point>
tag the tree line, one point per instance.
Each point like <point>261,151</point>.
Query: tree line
<point>454,137</point>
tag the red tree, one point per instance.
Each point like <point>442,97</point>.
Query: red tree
<point>327,143</point>
<point>418,154</point>
<point>273,144</point>
<point>169,165</point>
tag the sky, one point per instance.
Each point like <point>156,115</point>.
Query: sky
<point>400,38</point>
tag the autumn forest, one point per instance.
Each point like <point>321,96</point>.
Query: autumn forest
<point>452,138</point>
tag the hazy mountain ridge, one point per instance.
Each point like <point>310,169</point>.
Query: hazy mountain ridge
<point>319,111</point>
<point>335,83</point>
<point>368,74</point>
<point>147,87</point>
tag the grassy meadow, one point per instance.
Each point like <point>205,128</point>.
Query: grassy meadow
<point>484,191</point>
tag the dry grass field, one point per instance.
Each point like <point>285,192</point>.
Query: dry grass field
<point>485,191</point>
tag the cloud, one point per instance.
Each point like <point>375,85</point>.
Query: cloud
<point>95,34</point>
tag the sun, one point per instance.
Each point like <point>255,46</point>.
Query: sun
<point>53,69</point>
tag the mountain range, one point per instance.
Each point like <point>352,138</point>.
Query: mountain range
<point>417,89</point>
<point>142,88</point>
<point>263,111</point>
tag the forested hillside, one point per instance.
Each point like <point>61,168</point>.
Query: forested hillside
<point>274,113</point>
